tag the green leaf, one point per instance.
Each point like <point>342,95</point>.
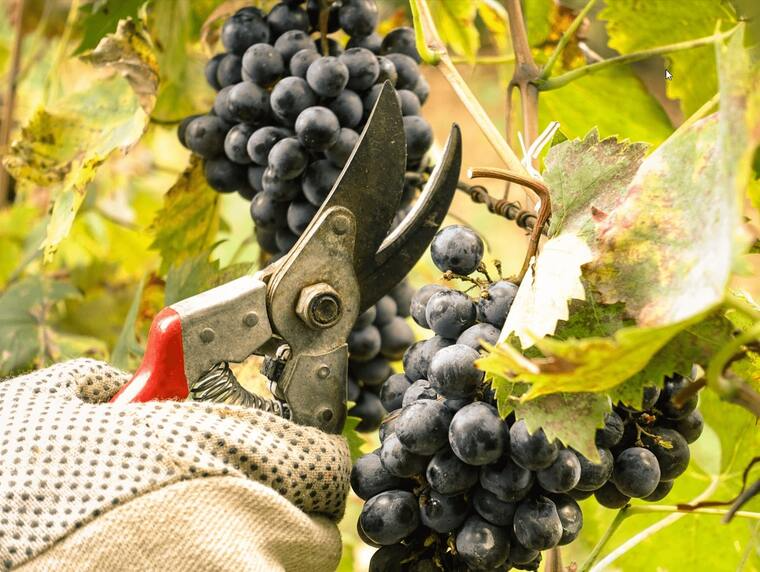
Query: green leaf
<point>495,19</point>
<point>593,102</point>
<point>538,20</point>
<point>62,146</point>
<point>455,21</point>
<point>127,340</point>
<point>573,418</point>
<point>634,26</point>
<point>102,18</point>
<point>197,274</point>
<point>27,336</point>
<point>189,220</point>
<point>585,179</point>
<point>667,250</point>
<point>355,441</point>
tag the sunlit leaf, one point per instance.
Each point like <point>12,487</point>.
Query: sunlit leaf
<point>197,274</point>
<point>455,21</point>
<point>495,19</point>
<point>538,20</point>
<point>102,18</point>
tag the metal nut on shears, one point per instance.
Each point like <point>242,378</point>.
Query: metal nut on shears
<point>319,306</point>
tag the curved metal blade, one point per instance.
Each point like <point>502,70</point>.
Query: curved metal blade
<point>372,181</point>
<point>401,250</point>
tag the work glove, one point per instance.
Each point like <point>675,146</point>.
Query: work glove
<point>89,485</point>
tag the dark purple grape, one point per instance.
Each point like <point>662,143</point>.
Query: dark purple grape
<point>610,435</point>
<point>341,150</point>
<point>285,239</point>
<point>290,97</point>
<point>334,48</point>
<point>221,107</point>
<point>420,389</point>
<point>649,397</point>
<point>673,386</point>
<point>255,174</point>
<point>495,308</point>
<point>562,475</point>
<point>520,557</point>
<point>362,67</point>
<point>266,238</point>
<point>387,71</point>
<point>243,29</point>
<point>690,426</point>
<point>365,318</point>
<point>402,294</point>
<point>292,42</point>
<point>371,42</point>
<point>392,393</point>
<point>364,344</point>
<point>373,372</point>
<point>401,41</point>
<point>225,176</point>
<point>318,181</point>
<point>420,300</point>
<point>478,435</point>
<point>317,128</point>
<point>327,76</point>
<point>494,510</point>
<point>662,490</point>
<point>506,479</point>
<point>446,472</point>
<point>457,248</point>
<point>636,473</point>
<point>205,135</point>
<point>400,461</point>
<point>453,370</point>
<point>369,409</point>
<point>386,310</point>
<point>301,61</point>
<point>443,513</point>
<point>449,313</point>
<point>263,64</point>
<point>288,158</point>
<point>422,89</point>
<point>282,190</point>
<point>571,517</point>
<point>348,108</point>
<point>229,70</point>
<point>300,214</point>
<point>474,335</point>
<point>387,558</point>
<point>482,545</point>
<point>407,69</point>
<point>235,143</point>
<point>537,525</point>
<point>671,450</point>
<point>248,102</point>
<point>261,142</point>
<point>610,497</point>
<point>358,17</point>
<point>282,18</point>
<point>410,103</point>
<point>268,213</point>
<point>210,71</point>
<point>396,337</point>
<point>531,450</point>
<point>423,426</point>
<point>390,517</point>
<point>594,475</point>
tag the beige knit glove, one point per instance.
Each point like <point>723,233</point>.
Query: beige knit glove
<point>87,485</point>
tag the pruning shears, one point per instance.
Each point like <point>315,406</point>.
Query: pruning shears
<point>299,311</point>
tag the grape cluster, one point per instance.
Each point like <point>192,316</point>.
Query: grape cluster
<point>380,335</point>
<point>290,107</point>
<point>454,486</point>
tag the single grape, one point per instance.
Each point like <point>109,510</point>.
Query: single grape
<point>449,313</point>
<point>292,42</point>
<point>519,556</point>
<point>536,524</point>
<point>301,61</point>
<point>579,495</point>
<point>612,432</point>
<point>370,98</point>
<point>396,337</point>
<point>358,17</point>
<point>636,473</point>
<point>317,128</point>
<point>225,176</point>
<point>300,214</point>
<point>287,158</point>
<point>387,558</point>
<point>673,386</point>
<point>210,71</point>
<point>243,29</point>
<point>261,142</point>
<point>278,189</point>
<point>392,393</point>
<point>365,318</point>
<point>417,358</point>
<point>386,310</point>
<point>671,450</point>
<point>649,397</point>
<point>495,308</point>
<point>290,97</point>
<point>388,425</point>
<point>407,69</point>
<point>401,41</point>
<point>506,479</point>
<point>390,516</point>
<point>268,213</point>
<point>420,389</point>
<point>263,64</point>
<point>229,70</point>
<point>453,370</point>
<point>362,67</point>
<point>571,517</point>
<point>422,89</point>
<point>348,108</point>
<point>474,335</point>
<point>373,372</point>
<point>282,18</point>
<point>491,508</point>
<point>662,490</point>
<point>446,472</point>
<point>610,497</point>
<point>369,409</point>
<point>266,238</point>
<point>221,107</point>
<point>235,143</point>
<point>410,103</point>
<point>369,477</point>
<point>423,426</point>
<point>562,475</point>
<point>248,102</point>
<point>443,513</point>
<point>594,475</point>
<point>353,391</point>
<point>364,344</point>
<point>457,248</point>
<point>285,239</point>
<point>482,545</point>
<point>341,150</point>
<point>255,174</point>
<point>205,135</point>
<point>478,435</point>
<point>387,71</point>
<point>531,450</point>
<point>420,300</point>
<point>400,461</point>
<point>690,426</point>
<point>419,136</point>
<point>371,42</point>
<point>318,181</point>
<point>402,294</point>
<point>327,76</point>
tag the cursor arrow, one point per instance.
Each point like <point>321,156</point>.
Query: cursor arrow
<point>668,75</point>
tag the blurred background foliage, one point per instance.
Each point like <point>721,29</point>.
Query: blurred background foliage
<point>96,238</point>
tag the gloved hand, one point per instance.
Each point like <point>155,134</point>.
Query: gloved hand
<point>87,485</point>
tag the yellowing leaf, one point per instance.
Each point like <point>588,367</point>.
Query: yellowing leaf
<point>455,21</point>
<point>494,17</point>
<point>189,220</point>
<point>62,146</point>
<point>101,18</point>
<point>538,21</point>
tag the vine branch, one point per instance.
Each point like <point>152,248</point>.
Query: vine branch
<point>565,78</point>
<point>9,99</point>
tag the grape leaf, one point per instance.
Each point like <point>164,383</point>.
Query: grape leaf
<point>102,18</point>
<point>62,146</point>
<point>667,250</point>
<point>573,418</point>
<point>455,21</point>
<point>633,25</point>
<point>538,21</point>
<point>189,220</point>
<point>355,441</point>
<point>26,334</point>
<point>585,178</point>
<point>197,274</point>
<point>591,102</point>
